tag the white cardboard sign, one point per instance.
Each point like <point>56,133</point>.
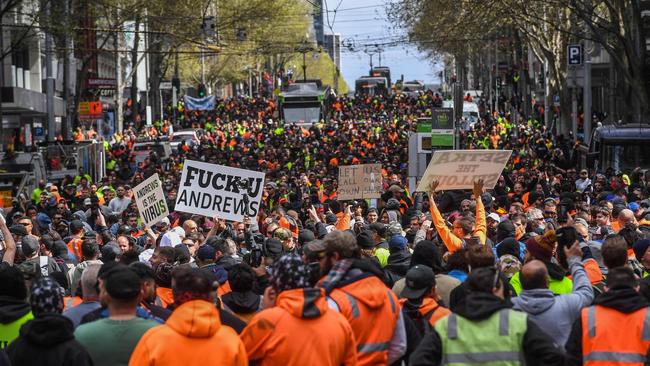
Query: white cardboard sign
<point>459,169</point>
<point>359,182</point>
<point>211,189</point>
<point>150,198</point>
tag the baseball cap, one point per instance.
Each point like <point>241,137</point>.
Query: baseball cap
<point>18,229</point>
<point>494,216</point>
<point>122,283</point>
<point>419,280</point>
<point>364,240</point>
<point>88,202</point>
<point>379,228</point>
<point>76,225</point>
<point>206,252</point>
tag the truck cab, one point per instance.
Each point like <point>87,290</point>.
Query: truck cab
<point>621,147</point>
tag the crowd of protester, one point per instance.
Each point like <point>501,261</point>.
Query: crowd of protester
<point>547,268</point>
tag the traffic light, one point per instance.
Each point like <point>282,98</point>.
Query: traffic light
<point>201,90</point>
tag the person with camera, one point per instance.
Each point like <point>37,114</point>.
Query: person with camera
<point>554,314</point>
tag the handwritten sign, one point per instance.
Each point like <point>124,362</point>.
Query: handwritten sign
<point>150,198</point>
<point>359,181</point>
<point>459,169</point>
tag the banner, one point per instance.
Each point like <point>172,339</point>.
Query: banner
<point>199,104</point>
<point>458,169</point>
<point>150,198</point>
<point>210,189</point>
<point>359,181</point>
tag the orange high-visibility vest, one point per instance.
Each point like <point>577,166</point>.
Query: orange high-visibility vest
<point>611,337</point>
<point>223,289</point>
<point>70,302</point>
<point>372,309</point>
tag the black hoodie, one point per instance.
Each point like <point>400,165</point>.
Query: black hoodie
<point>398,264</point>
<point>48,340</point>
<point>12,309</point>
<point>537,347</point>
<point>625,300</point>
<point>242,302</point>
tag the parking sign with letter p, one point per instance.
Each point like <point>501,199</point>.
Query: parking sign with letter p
<point>574,54</point>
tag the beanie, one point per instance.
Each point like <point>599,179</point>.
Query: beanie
<point>397,242</point>
<point>542,246</point>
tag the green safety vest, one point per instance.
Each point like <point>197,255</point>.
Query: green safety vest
<point>558,287</point>
<point>10,331</point>
<point>495,341</point>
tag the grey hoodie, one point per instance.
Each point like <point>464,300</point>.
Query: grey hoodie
<point>555,314</point>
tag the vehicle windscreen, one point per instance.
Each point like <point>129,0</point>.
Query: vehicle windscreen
<point>301,114</point>
<point>625,156</point>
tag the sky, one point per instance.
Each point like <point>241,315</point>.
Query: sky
<point>363,22</point>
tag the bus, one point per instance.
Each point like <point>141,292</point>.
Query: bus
<point>304,103</point>
<point>620,147</point>
<point>368,85</point>
<point>381,71</point>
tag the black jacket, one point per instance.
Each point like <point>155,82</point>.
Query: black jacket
<point>537,347</point>
<point>625,300</point>
<point>48,340</point>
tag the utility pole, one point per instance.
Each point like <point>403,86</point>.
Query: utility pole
<point>49,72</point>
<point>586,88</point>
<point>119,114</point>
<point>66,128</point>
<point>574,104</point>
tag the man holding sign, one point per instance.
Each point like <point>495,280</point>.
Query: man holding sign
<point>466,230</point>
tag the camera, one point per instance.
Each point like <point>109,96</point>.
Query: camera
<point>255,243</point>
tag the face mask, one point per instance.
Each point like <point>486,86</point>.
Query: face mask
<point>540,229</point>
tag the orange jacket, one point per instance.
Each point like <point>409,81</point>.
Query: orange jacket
<point>343,221</point>
<point>74,246</point>
<point>224,288</point>
<point>165,295</point>
<point>69,302</point>
<point>300,330</point>
<point>431,309</point>
<point>593,271</point>
<point>451,241</point>
<point>193,335</point>
<point>608,335</point>
<point>372,310</point>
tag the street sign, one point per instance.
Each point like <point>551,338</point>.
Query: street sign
<point>574,54</point>
<point>90,110</point>
<point>101,83</point>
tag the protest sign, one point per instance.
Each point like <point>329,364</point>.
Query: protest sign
<point>150,198</point>
<point>359,181</point>
<point>210,189</point>
<point>458,169</point>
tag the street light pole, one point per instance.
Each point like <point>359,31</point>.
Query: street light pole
<point>304,66</point>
